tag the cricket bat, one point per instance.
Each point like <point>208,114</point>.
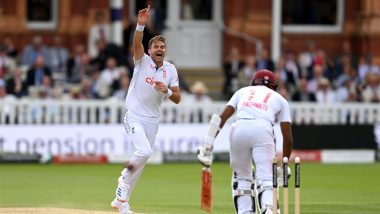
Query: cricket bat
<point>206,191</point>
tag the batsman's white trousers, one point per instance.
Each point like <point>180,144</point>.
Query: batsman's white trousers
<point>142,134</point>
<point>253,140</point>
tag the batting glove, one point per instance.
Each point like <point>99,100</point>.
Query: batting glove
<point>204,154</point>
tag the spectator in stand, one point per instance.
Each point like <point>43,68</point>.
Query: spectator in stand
<point>282,88</point>
<point>313,83</point>
<point>346,50</point>
<point>182,84</point>
<point>264,62</point>
<point>367,66</point>
<point>75,93</point>
<point>247,71</point>
<point>82,70</point>
<point>198,96</point>
<point>107,50</point>
<point>86,90</point>
<point>33,50</point>
<point>293,70</point>
<point>348,73</point>
<point>231,69</point>
<point>46,88</point>
<point>59,56</point>
<point>122,92</point>
<point>7,63</point>
<point>74,60</point>
<point>344,64</point>
<point>58,93</point>
<point>199,93</point>
<point>10,48</point>
<point>371,92</point>
<point>347,84</point>
<point>3,92</point>
<point>302,94</point>
<point>99,31</point>
<point>37,72</point>
<point>324,94</point>
<point>283,91</point>
<point>327,65</point>
<point>306,58</point>
<point>281,70</point>
<point>94,84</point>
<point>99,88</point>
<point>346,92</point>
<point>15,85</point>
<point>111,74</point>
<point>288,77</point>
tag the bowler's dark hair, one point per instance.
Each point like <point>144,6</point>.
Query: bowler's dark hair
<point>158,38</point>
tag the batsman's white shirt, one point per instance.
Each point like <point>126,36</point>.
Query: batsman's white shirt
<point>260,102</point>
<point>143,101</point>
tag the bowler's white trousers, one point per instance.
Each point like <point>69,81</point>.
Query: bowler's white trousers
<point>142,134</point>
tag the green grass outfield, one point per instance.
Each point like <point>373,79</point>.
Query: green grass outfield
<point>175,188</point>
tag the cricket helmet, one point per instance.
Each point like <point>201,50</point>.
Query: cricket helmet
<point>264,77</point>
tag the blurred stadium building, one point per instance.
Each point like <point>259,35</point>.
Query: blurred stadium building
<point>325,54</point>
<point>202,33</point>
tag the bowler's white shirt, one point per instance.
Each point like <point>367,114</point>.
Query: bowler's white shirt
<point>260,102</point>
<point>143,101</point>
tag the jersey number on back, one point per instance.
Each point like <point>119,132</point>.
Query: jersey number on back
<point>266,98</point>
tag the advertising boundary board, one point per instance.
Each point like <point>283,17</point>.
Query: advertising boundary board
<point>113,141</point>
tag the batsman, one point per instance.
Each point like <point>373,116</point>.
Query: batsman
<point>252,141</point>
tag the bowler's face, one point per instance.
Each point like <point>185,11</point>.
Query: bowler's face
<point>157,51</point>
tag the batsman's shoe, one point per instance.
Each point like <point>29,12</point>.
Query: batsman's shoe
<point>268,210</point>
<point>122,207</point>
<point>121,190</point>
<point>205,155</point>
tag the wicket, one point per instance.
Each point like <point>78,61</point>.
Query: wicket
<point>297,195</point>
<point>274,169</point>
<point>285,187</point>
